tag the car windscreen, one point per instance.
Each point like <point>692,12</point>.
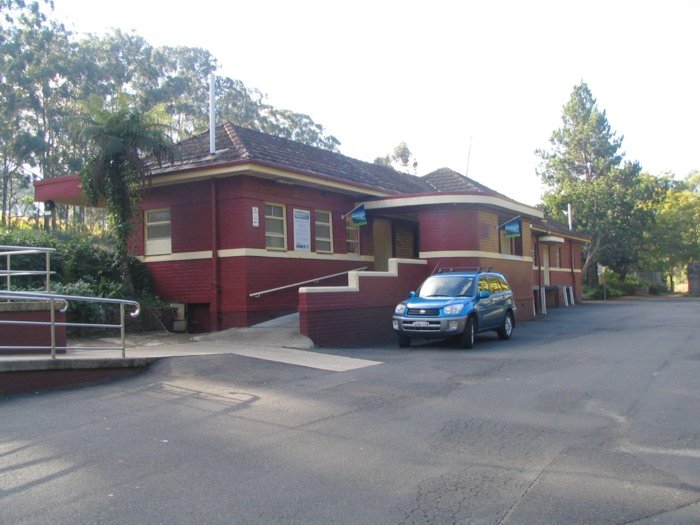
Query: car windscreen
<point>447,286</point>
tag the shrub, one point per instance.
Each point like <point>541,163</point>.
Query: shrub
<point>77,259</point>
<point>616,287</point>
<point>81,311</point>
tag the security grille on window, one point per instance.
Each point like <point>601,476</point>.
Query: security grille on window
<point>324,232</point>
<point>353,239</point>
<point>275,227</point>
<point>158,232</point>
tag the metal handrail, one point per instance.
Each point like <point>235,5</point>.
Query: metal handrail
<point>53,299</point>
<point>8,273</point>
<point>315,280</point>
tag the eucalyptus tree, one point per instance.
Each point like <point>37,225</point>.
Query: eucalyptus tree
<point>33,91</point>
<point>121,141</point>
<point>400,159</point>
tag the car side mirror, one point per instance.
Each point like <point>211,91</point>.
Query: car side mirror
<point>411,294</point>
<point>483,294</point>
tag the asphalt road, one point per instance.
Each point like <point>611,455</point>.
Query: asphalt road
<point>591,415</point>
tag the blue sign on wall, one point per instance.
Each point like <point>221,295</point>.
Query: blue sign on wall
<point>512,228</point>
<point>358,216</point>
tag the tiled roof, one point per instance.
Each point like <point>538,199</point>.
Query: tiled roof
<point>447,180</point>
<point>237,144</point>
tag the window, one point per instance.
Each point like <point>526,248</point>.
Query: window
<point>483,284</point>
<point>507,244</point>
<point>275,227</point>
<point>557,260</point>
<point>324,232</point>
<point>158,232</point>
<point>353,239</point>
<point>497,284</point>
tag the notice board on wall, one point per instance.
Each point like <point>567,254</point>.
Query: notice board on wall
<point>302,230</point>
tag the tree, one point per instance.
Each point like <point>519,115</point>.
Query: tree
<point>692,181</point>
<point>401,159</point>
<point>17,26</point>
<point>46,71</point>
<point>119,141</point>
<point>583,168</point>
<point>674,239</point>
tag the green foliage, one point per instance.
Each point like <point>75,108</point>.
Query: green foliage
<point>46,72</point>
<point>401,159</point>
<point>610,201</point>
<point>81,311</point>
<point>119,140</point>
<point>78,258</point>
<point>613,285</point>
<point>674,239</point>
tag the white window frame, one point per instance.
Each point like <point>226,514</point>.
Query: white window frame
<point>160,245</point>
<point>353,242</point>
<point>268,234</point>
<point>328,239</point>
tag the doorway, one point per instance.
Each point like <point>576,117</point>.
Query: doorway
<point>383,246</point>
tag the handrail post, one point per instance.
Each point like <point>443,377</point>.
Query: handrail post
<point>53,328</point>
<point>48,272</point>
<point>8,257</point>
<point>123,328</point>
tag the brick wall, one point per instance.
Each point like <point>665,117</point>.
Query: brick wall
<point>28,335</point>
<point>448,228</point>
<point>192,281</point>
<point>362,310</point>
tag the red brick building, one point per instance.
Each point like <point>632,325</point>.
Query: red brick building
<point>257,229</point>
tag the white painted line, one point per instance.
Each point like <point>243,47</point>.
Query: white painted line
<point>333,363</point>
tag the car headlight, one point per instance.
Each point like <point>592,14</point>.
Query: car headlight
<point>400,309</point>
<point>452,309</point>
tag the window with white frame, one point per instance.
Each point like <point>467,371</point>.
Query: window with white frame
<point>353,239</point>
<point>158,232</point>
<point>324,231</point>
<point>275,227</point>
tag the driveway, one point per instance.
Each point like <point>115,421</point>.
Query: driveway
<point>587,416</point>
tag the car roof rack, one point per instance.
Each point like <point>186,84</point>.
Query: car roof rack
<point>477,269</point>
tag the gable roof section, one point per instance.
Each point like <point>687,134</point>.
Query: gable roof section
<point>235,144</point>
<point>445,180</point>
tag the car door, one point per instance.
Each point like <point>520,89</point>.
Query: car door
<point>484,305</point>
<point>499,297</point>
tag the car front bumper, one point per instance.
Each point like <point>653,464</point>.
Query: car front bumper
<point>429,326</point>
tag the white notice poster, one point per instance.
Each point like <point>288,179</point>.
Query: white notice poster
<point>302,230</point>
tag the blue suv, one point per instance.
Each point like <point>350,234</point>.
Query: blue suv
<point>456,303</point>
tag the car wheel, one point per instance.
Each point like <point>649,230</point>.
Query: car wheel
<point>468,337</point>
<point>404,340</point>
<point>505,331</point>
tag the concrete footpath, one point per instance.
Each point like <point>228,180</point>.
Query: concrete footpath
<point>90,359</point>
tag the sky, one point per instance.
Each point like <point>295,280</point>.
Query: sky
<point>476,86</point>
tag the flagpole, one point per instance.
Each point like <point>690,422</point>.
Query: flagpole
<point>348,213</point>
<point>508,221</point>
